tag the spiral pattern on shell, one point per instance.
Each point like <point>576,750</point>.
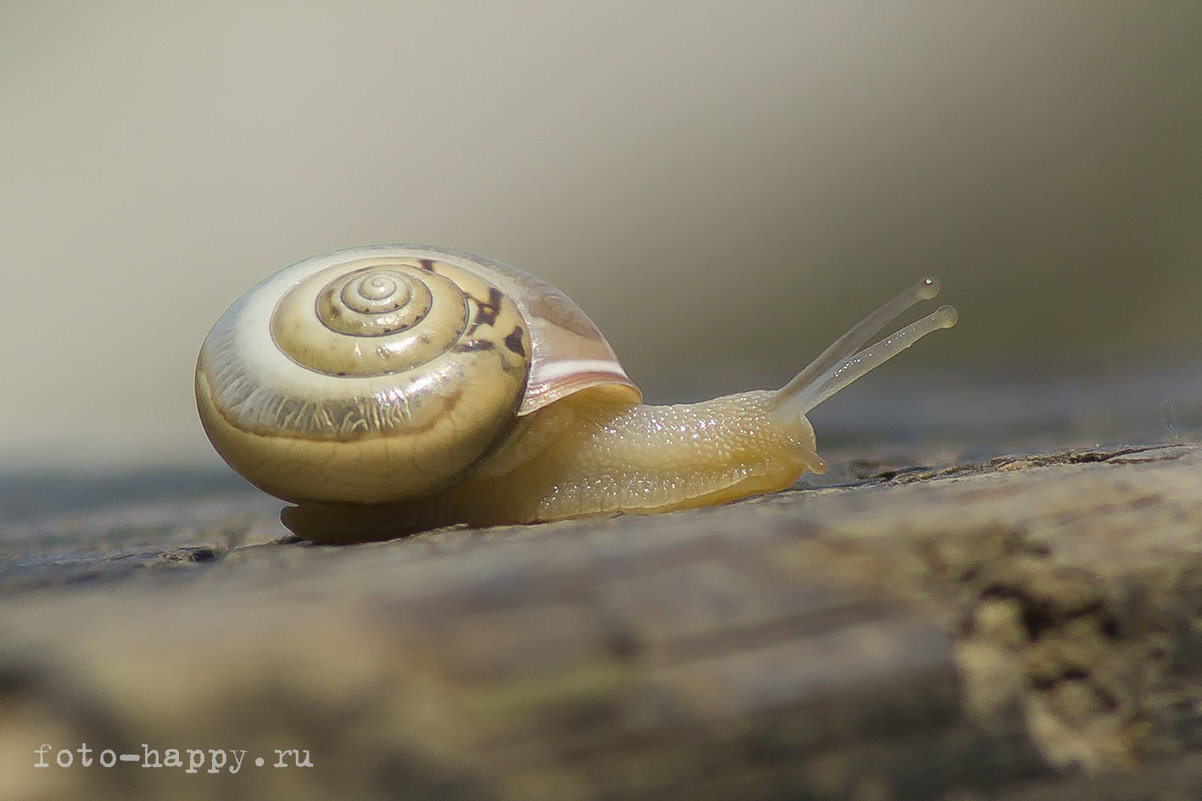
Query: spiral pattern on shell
<point>369,376</point>
<point>373,301</point>
<point>377,319</point>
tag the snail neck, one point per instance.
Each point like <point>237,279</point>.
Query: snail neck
<point>581,456</point>
<point>586,457</point>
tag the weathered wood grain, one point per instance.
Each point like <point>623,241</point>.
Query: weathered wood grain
<point>1021,628</point>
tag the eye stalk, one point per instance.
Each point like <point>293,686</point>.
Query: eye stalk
<point>847,360</point>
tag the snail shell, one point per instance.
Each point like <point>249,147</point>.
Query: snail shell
<point>383,373</point>
<point>390,388</point>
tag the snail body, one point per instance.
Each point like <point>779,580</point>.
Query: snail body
<point>394,388</point>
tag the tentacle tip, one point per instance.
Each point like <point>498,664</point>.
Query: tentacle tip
<point>928,287</point>
<point>946,316</point>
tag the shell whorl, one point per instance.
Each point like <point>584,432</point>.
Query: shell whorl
<point>363,376</point>
<point>365,318</point>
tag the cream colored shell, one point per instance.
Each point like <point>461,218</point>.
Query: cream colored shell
<point>383,373</point>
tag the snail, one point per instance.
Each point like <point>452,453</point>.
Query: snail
<point>394,388</point>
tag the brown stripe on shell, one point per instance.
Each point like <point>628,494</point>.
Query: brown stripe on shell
<point>514,341</point>
<point>474,344</point>
<point>486,312</point>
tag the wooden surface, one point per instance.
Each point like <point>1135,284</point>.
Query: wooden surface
<point>998,627</point>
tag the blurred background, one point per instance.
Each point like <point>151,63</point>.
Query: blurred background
<point>723,187</point>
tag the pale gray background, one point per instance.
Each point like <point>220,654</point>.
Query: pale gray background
<point>723,186</point>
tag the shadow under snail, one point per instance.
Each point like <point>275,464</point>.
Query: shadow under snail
<point>394,388</point>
